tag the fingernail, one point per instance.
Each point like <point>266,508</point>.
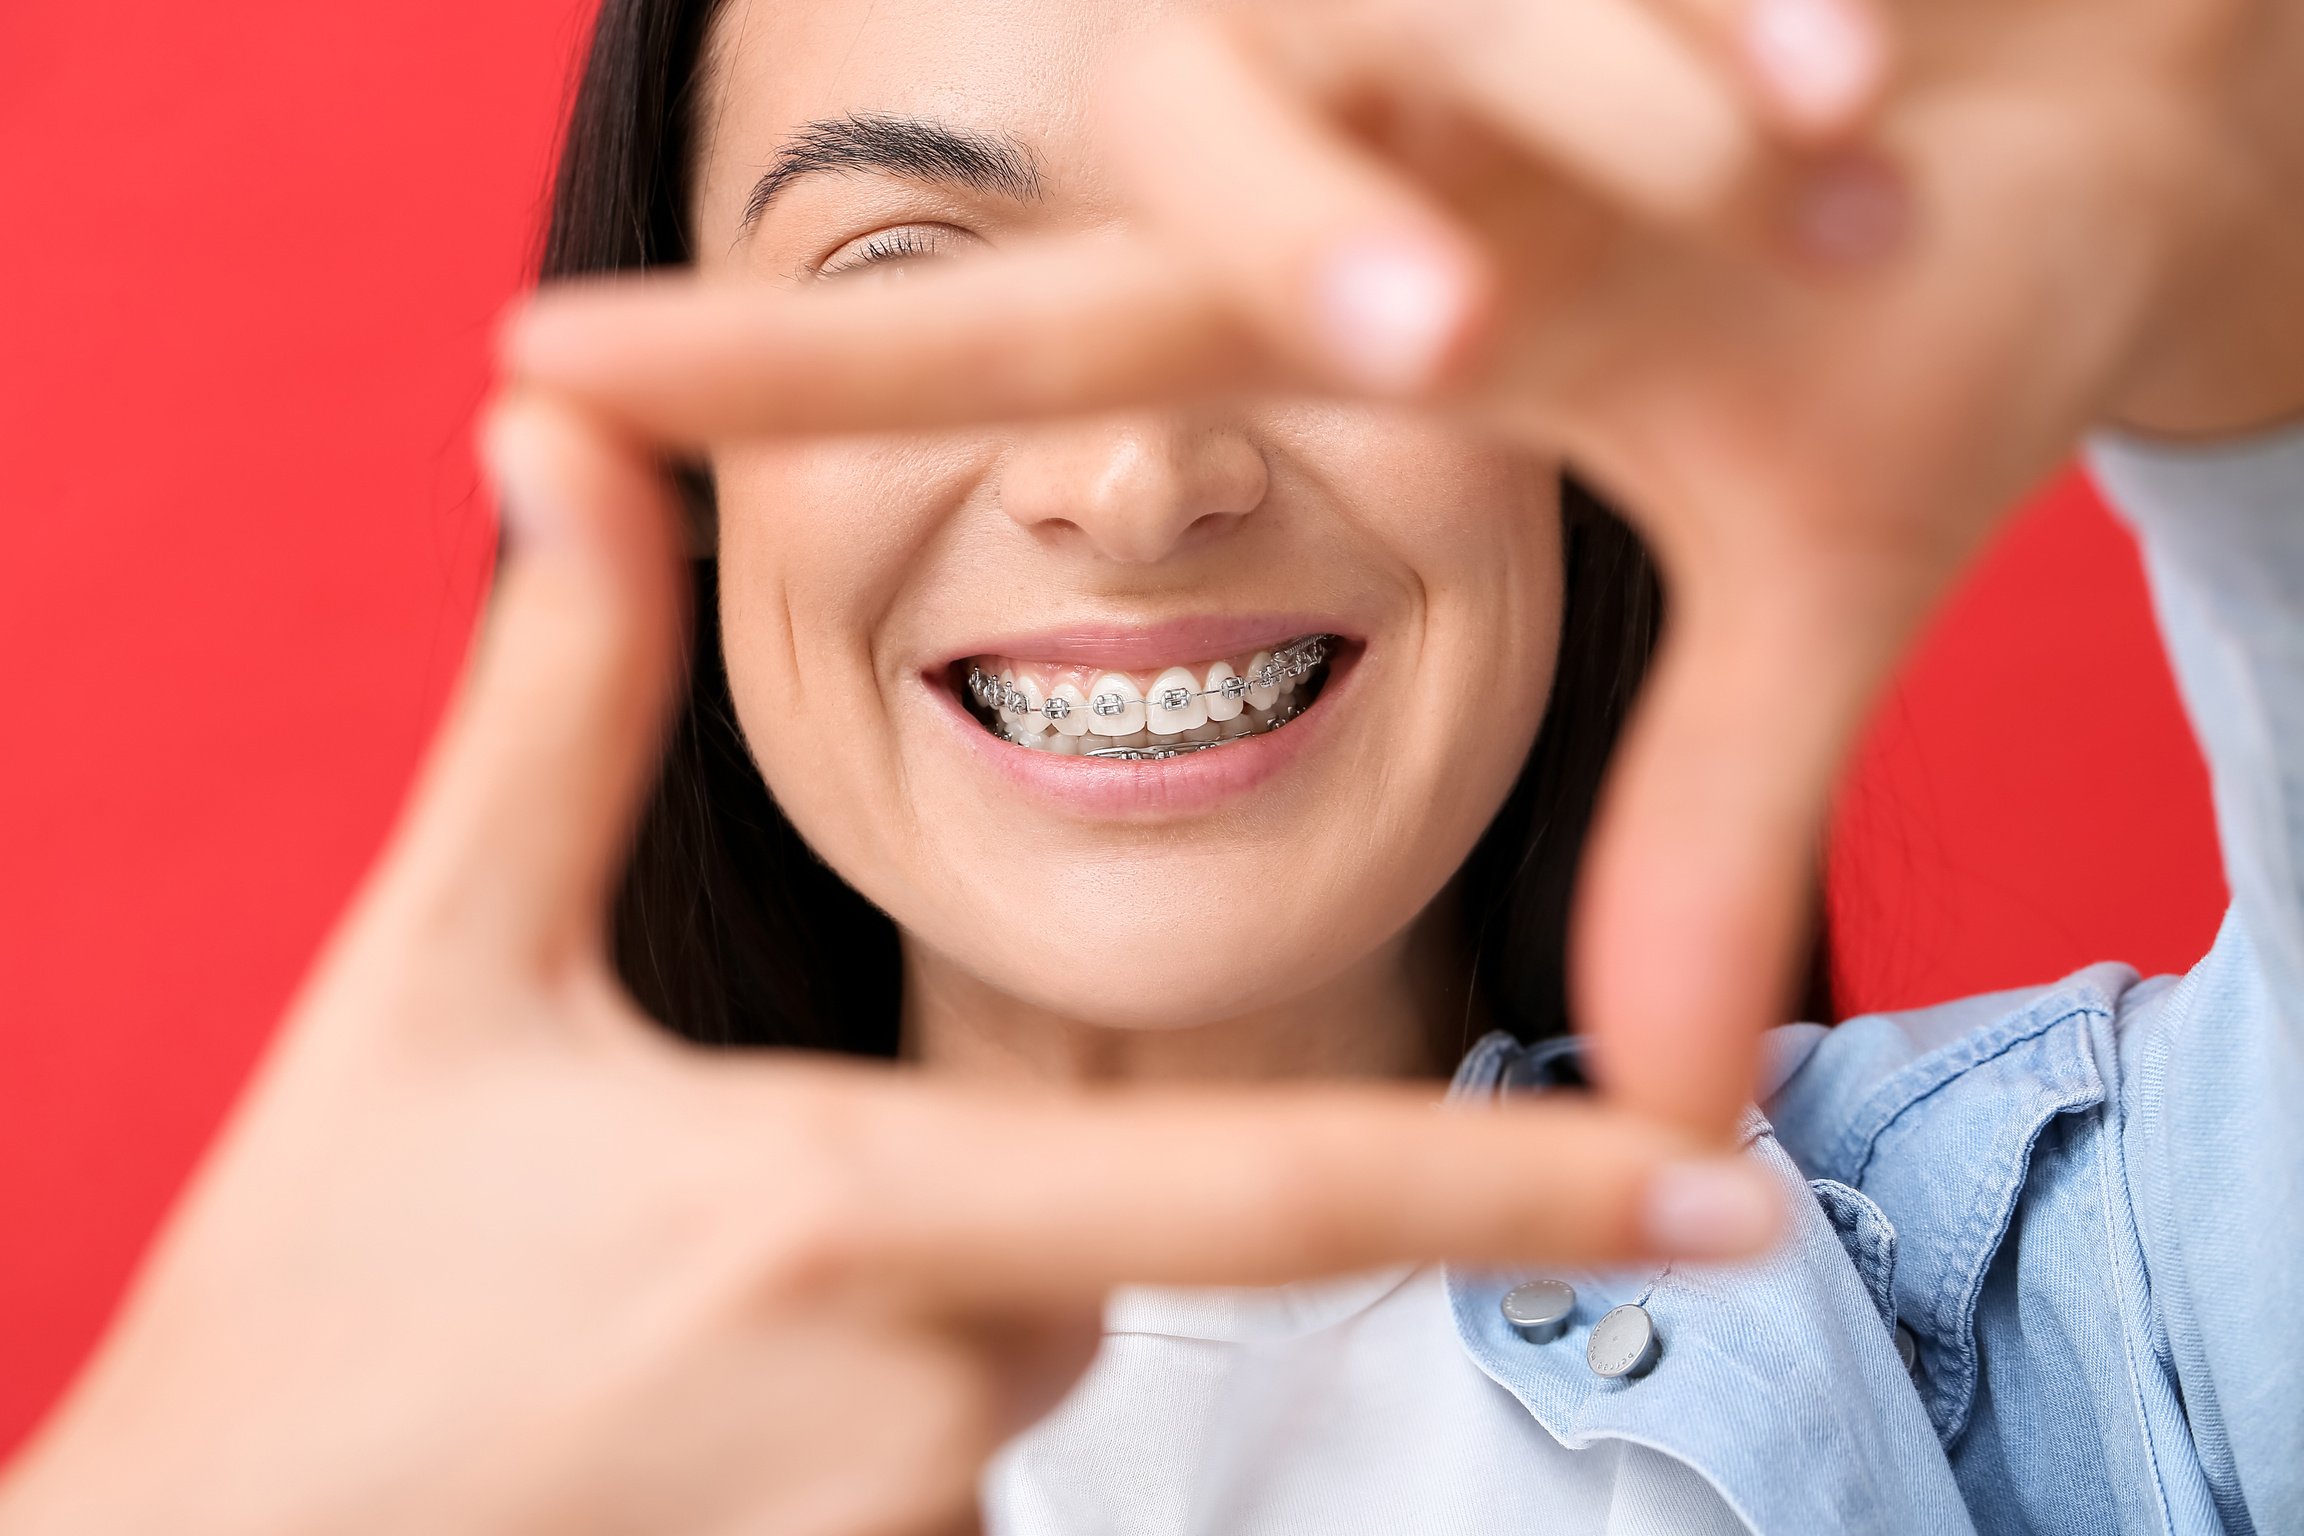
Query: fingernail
<point>1719,1209</point>
<point>1816,58</point>
<point>1851,212</point>
<point>1819,59</point>
<point>1388,308</point>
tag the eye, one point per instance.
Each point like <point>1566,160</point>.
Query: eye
<point>888,252</point>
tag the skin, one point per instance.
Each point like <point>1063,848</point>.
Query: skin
<point>482,1251</point>
<point>1035,939</point>
<point>2047,218</point>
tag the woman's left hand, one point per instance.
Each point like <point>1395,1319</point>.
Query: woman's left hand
<point>1816,328</point>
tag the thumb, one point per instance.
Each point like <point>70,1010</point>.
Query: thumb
<point>522,816</point>
<point>1698,893</point>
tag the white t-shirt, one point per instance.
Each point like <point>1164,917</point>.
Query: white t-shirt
<point>1318,1410</point>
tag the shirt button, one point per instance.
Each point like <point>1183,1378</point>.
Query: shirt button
<point>1539,1310</point>
<point>1623,1343</point>
<point>1907,1349</point>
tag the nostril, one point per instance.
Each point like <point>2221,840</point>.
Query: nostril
<point>1135,490</point>
<point>1211,526</point>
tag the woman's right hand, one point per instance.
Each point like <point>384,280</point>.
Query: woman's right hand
<point>484,1251</point>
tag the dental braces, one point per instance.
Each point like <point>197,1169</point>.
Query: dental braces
<point>1292,661</point>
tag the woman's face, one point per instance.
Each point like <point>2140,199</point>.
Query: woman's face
<point>1100,563</point>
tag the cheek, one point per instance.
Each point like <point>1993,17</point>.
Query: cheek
<point>819,543</point>
<point>1493,636</point>
<point>817,539</point>
<point>1476,528</point>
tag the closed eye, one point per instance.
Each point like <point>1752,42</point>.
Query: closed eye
<point>890,250</point>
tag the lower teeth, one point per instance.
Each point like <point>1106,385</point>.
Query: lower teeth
<point>1284,711</point>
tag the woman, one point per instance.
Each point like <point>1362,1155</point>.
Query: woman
<point>1430,645</point>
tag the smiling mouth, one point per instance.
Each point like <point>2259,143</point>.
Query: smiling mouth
<point>1073,711</point>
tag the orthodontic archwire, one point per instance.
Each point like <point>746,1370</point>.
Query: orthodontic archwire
<point>1294,660</point>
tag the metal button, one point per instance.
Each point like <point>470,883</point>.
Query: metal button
<point>1623,1343</point>
<point>1539,1310</point>
<point>1907,1349</point>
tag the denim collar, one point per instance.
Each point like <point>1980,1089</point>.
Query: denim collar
<point>1779,1381</point>
<point>1941,1141</point>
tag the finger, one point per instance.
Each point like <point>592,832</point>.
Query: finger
<point>1695,905</point>
<point>1610,91</point>
<point>1341,258</point>
<point>1815,69</point>
<point>523,813</point>
<point>1342,265</point>
<point>1039,1200</point>
<point>1072,325</point>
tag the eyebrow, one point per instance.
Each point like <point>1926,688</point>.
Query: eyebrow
<point>913,147</point>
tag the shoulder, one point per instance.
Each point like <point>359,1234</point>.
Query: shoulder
<point>1991,1071</point>
<point>1951,1072</point>
<point>1965,1123</point>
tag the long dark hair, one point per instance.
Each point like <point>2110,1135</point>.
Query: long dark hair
<point>731,931</point>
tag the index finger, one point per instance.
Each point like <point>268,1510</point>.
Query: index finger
<point>1072,325</point>
<point>1039,1198</point>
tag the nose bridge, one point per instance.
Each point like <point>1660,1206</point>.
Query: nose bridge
<point>1135,488</point>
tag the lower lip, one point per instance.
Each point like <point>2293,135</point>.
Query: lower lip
<point>1149,789</point>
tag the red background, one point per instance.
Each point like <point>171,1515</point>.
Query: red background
<point>251,257</point>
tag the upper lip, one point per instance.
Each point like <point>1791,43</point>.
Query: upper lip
<point>1140,647</point>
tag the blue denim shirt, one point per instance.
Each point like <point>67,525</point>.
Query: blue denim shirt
<point>2081,1205</point>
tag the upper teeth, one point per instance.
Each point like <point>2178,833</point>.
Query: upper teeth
<point>1174,705</point>
<point>1174,690</point>
<point>1148,721</point>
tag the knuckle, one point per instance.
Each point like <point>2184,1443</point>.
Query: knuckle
<point>813,1249</point>
<point>818,1238</point>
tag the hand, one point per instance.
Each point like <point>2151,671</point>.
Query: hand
<point>2222,351</point>
<point>1816,329</point>
<point>484,1251</point>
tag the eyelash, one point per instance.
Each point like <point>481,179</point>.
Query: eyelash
<point>903,243</point>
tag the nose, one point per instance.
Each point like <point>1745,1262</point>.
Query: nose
<point>1134,489</point>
